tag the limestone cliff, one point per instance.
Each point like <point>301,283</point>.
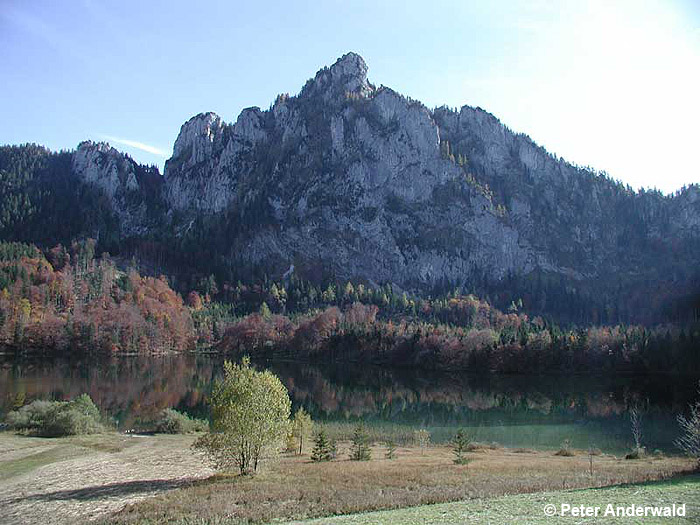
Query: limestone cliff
<point>346,177</point>
<point>351,181</point>
<point>347,180</point>
<point>133,190</point>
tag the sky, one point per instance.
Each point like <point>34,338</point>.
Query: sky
<point>609,84</point>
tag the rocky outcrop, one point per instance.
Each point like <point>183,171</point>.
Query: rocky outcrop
<point>131,189</point>
<point>208,159</point>
<point>105,167</point>
<point>347,77</point>
<point>349,178</point>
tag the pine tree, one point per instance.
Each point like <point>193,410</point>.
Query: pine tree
<point>460,446</point>
<point>390,449</point>
<point>360,451</point>
<point>323,449</point>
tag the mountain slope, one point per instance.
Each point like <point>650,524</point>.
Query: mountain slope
<point>359,182</point>
<point>349,181</point>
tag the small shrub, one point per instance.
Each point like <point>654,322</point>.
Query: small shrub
<point>689,442</point>
<point>475,446</point>
<point>390,449</point>
<point>565,449</point>
<point>460,446</point>
<point>323,448</point>
<point>422,439</point>
<point>637,453</point>
<point>360,451</point>
<point>173,422</point>
<point>57,418</point>
<point>30,417</point>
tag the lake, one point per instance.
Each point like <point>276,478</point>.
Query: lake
<point>516,411</point>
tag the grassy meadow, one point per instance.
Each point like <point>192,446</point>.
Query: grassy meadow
<point>129,479</point>
<point>529,508</point>
<point>294,488</point>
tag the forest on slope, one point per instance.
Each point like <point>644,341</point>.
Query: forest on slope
<point>68,301</point>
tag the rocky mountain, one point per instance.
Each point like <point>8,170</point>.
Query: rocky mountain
<point>132,190</point>
<point>349,181</point>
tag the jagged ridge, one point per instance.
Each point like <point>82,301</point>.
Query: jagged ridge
<point>350,181</point>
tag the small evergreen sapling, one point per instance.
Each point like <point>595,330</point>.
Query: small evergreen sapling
<point>323,448</point>
<point>390,449</point>
<point>460,446</point>
<point>360,451</point>
<point>565,449</point>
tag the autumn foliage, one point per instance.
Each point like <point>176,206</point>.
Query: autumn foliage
<point>70,300</point>
<point>463,334</point>
<point>67,299</point>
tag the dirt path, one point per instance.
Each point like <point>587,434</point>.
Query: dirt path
<point>72,480</point>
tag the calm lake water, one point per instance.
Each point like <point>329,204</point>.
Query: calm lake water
<point>515,411</point>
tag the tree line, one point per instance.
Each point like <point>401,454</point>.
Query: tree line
<point>70,299</point>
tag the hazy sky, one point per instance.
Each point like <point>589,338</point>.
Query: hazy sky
<point>613,85</point>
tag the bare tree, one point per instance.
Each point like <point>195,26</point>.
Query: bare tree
<point>422,439</point>
<point>689,442</point>
<point>636,422</point>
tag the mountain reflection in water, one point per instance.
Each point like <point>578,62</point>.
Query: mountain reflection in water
<point>538,411</point>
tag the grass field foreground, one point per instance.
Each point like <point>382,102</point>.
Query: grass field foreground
<point>294,488</point>
<point>127,479</point>
<point>529,508</point>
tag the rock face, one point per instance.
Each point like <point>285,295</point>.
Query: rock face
<point>130,187</point>
<point>358,182</point>
<point>102,165</point>
<point>346,177</point>
<point>350,181</point>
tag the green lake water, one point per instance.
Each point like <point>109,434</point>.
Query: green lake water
<point>516,411</point>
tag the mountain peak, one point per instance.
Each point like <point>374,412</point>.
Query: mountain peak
<point>350,65</point>
<point>347,75</point>
<point>201,130</point>
<point>89,145</point>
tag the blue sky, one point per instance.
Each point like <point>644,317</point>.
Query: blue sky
<point>613,85</point>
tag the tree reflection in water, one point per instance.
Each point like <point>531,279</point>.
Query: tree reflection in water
<point>520,410</point>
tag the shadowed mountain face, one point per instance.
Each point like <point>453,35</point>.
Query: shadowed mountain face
<point>350,181</point>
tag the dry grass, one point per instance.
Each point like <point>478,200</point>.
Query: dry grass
<point>529,508</point>
<point>70,480</point>
<point>295,488</point>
